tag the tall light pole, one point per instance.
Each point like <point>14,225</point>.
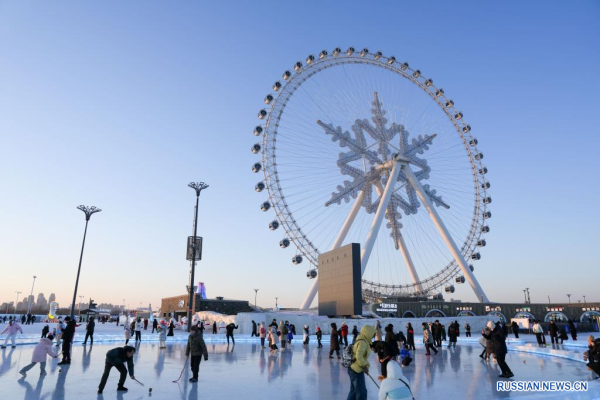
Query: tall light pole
<point>255,293</point>
<point>569,296</point>
<point>528,296</point>
<point>18,293</point>
<point>88,213</point>
<point>30,296</point>
<point>276,302</point>
<point>584,299</point>
<point>198,187</point>
<point>525,295</point>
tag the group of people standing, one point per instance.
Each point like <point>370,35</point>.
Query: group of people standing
<point>554,332</point>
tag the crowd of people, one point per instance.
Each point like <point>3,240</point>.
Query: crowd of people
<point>392,346</point>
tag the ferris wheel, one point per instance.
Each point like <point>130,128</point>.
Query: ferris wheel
<point>352,139</point>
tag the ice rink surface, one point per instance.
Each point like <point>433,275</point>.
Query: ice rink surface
<point>249,372</point>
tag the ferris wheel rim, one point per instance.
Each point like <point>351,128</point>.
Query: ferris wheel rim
<point>278,103</point>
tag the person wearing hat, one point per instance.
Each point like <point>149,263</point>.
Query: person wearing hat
<point>117,357</point>
<point>500,350</point>
<point>67,336</point>
<point>197,348</point>
<point>39,355</point>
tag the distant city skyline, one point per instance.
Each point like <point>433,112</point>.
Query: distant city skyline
<point>120,105</point>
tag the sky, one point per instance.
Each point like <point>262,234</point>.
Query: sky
<point>121,104</point>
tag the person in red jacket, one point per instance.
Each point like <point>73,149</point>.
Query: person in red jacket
<point>344,334</point>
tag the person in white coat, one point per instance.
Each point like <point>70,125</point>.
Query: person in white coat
<point>39,355</point>
<point>306,335</point>
<point>396,386</point>
<point>11,330</point>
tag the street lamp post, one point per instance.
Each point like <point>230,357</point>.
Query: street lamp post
<point>528,296</point>
<point>569,296</point>
<point>525,295</point>
<point>255,293</point>
<point>88,213</point>
<point>30,296</point>
<point>198,187</point>
<point>276,302</point>
<point>18,293</point>
<point>584,299</point>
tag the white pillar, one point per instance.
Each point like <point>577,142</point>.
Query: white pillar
<point>404,250</point>
<point>383,203</point>
<point>445,234</point>
<point>310,296</point>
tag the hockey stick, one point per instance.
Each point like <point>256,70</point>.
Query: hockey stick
<point>138,381</point>
<point>373,380</point>
<point>181,374</point>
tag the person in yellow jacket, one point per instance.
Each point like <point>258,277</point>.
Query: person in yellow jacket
<point>360,363</point>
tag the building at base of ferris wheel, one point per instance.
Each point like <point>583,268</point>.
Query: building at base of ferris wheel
<point>558,312</point>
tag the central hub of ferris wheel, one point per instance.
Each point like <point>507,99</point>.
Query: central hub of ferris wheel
<point>388,170</point>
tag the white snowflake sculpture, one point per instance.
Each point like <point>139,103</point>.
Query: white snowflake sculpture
<point>363,179</point>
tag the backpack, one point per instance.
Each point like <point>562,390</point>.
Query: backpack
<point>348,356</point>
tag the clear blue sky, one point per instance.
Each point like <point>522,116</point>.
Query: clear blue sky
<point>121,104</point>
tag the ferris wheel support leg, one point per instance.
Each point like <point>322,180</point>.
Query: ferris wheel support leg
<point>404,250</point>
<point>383,203</point>
<point>439,224</point>
<point>310,296</point>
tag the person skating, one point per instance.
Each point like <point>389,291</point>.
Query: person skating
<point>214,328</point>
<point>319,337</point>
<point>283,331</point>
<point>306,335</point>
<point>254,329</point>
<point>43,348</point>
<point>68,334</point>
<point>45,331</point>
<point>378,334</point>
<point>263,334</point>
<point>405,356</point>
<point>487,343</point>
<point>344,334</point>
<point>171,327</point>
<point>127,333</point>
<point>229,329</point>
<point>11,330</point>
<point>162,334</point>
<point>500,350</point>
<point>334,344</point>
<point>117,357</point>
<point>428,340</point>
<point>572,329</point>
<point>145,324</point>
<point>354,334</point>
<point>197,348</point>
<point>59,328</point>
<point>154,325</point>
<point>390,339</point>
<point>553,332</point>
<point>138,329</point>
<point>452,335</point>
<point>515,329</point>
<point>89,331</point>
<point>291,333</point>
<point>592,355</point>
<point>395,386</point>
<point>563,334</point>
<point>539,333</point>
<point>360,366</point>
<point>410,337</point>
<point>436,331</point>
<point>467,330</point>
<point>273,338</point>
